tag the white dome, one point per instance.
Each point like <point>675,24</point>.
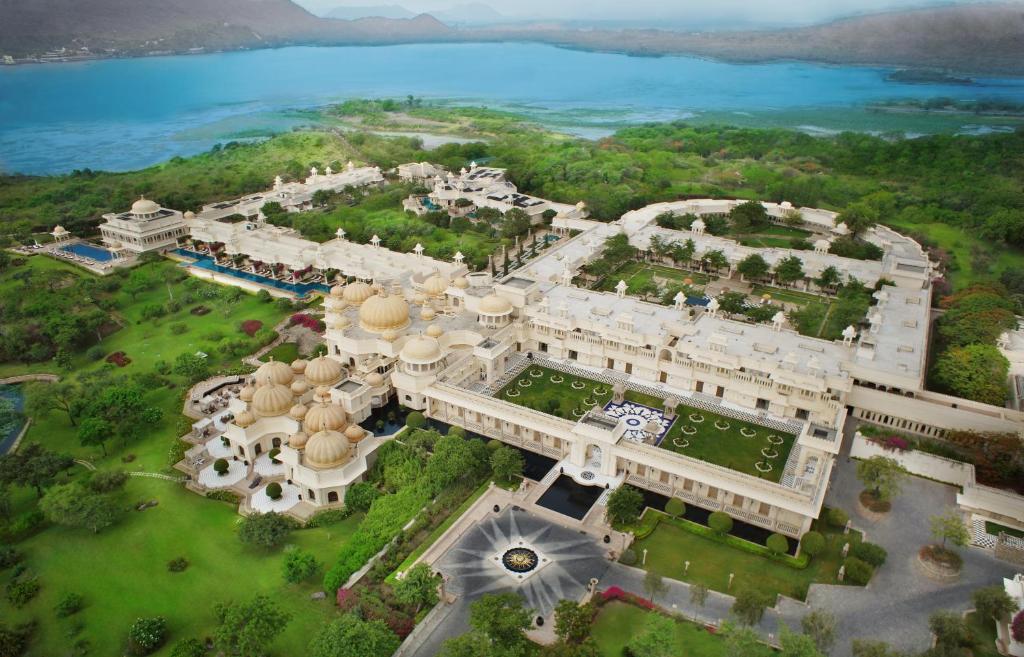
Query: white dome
<point>144,207</point>
<point>190,215</point>
<point>374,380</point>
<point>298,412</point>
<point>298,440</point>
<point>355,433</point>
<point>326,449</point>
<point>324,417</point>
<point>357,292</point>
<point>246,393</point>
<point>338,291</point>
<point>461,282</point>
<point>271,399</point>
<point>427,313</point>
<point>492,304</point>
<point>244,419</point>
<point>383,312</point>
<point>322,371</point>
<point>299,365</point>
<point>435,331</point>
<point>421,349</point>
<point>299,387</point>
<point>276,372</point>
<point>435,285</point>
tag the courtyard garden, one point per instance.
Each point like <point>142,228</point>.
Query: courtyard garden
<point>617,622</point>
<point>746,447</point>
<point>712,559</point>
<point>639,275</point>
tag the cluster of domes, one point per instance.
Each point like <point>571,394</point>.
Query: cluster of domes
<point>356,293</point>
<point>384,312</point>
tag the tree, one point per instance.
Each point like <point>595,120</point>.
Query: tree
<point>625,504</point>
<point>191,367</point>
<point>797,645</point>
<point>654,584</point>
<point>221,466</point>
<point>471,644</point>
<point>418,588</point>
<point>94,431</point>
<point>882,476</point>
<point>675,507</point>
<point>812,543</point>
<point>41,398</point>
<point>714,260</point>
<point>657,639</point>
<point>858,218</point>
<point>572,621</point>
<point>750,605</point>
<point>777,544</point>
<point>949,628</point>
<point>950,527</point>
<point>454,459</point>
<point>507,463</point>
<point>360,496</point>
<point>993,602</point>
<point>501,617</point>
<point>698,595</point>
<point>188,648</point>
<point>74,505</point>
<point>266,530</point>
<point>299,566</point>
<point>107,481</point>
<point>789,270</point>
<point>351,636</point>
<point>820,625</point>
<point>828,278</point>
<point>748,216</point>
<point>415,420</point>
<point>34,466</point>
<point>868,648</point>
<point>720,523</point>
<point>753,267</point>
<point>125,409</point>
<point>977,372</point>
<point>741,641</point>
<point>516,222</point>
<point>247,629</point>
<point>146,634</point>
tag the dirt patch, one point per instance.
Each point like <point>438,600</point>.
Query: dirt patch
<point>873,504</point>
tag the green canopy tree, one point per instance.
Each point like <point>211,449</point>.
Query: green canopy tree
<point>247,629</point>
<point>753,267</point>
<point>977,372</point>
<point>351,636</point>
<point>789,270</point>
<point>76,506</point>
<point>625,504</point>
<point>418,588</point>
<point>656,639</point>
<point>882,476</point>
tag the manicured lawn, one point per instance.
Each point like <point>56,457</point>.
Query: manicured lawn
<point>618,622</point>
<point>771,237</point>
<point>122,573</point>
<point>637,273</point>
<point>669,547</point>
<point>286,352</point>
<point>994,529</point>
<point>984,631</point>
<point>725,447</point>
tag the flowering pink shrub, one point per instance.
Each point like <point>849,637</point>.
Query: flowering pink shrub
<point>1017,627</point>
<point>616,593</point>
<point>250,326</point>
<point>612,593</point>
<point>346,599</point>
<point>312,323</point>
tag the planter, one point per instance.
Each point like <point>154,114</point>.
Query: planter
<point>938,563</point>
<point>722,425</point>
<point>688,430</point>
<point>696,418</point>
<point>769,453</point>
<point>681,443</point>
<point>556,379</point>
<point>578,385</point>
<point>763,467</point>
<point>747,433</point>
<point>775,440</point>
<point>524,383</point>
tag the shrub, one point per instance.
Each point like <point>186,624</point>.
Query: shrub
<point>360,496</point>
<point>857,571</point>
<point>1017,627</point>
<point>177,328</point>
<point>9,556</point>
<point>274,490</point>
<point>720,522</point>
<point>108,481</point>
<point>119,358</point>
<point>146,634</point>
<point>869,553</point>
<point>266,530</point>
<point>250,326</point>
<point>69,605</point>
<point>273,454</point>
<point>21,590</point>
<point>190,647</point>
<point>95,353</point>
<point>223,496</point>
<point>812,543</point>
<point>299,566</point>
<point>675,507</point>
<point>220,466</point>
<point>415,420</point>
<point>628,557</point>
<point>493,444</point>
<point>327,517</point>
<point>778,544</point>
<point>837,518</point>
<point>177,564</point>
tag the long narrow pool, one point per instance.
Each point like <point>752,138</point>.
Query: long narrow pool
<point>204,261</point>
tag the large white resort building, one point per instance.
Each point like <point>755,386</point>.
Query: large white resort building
<point>461,347</point>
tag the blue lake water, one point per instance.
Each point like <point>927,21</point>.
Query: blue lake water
<point>125,114</point>
<point>12,393</point>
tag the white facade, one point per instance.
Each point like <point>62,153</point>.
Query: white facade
<point>146,227</point>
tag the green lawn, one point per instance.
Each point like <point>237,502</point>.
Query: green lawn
<point>994,528</point>
<point>617,622</point>
<point>726,447</point>
<point>286,352</point>
<point>637,273</point>
<point>669,547</point>
<point>984,631</point>
<point>122,573</point>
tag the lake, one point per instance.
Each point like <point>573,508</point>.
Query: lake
<point>130,113</point>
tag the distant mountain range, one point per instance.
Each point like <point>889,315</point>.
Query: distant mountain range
<point>973,39</point>
<point>464,14</point>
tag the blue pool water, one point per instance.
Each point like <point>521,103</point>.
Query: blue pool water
<point>13,394</point>
<point>116,123</point>
<point>89,251</point>
<point>204,261</point>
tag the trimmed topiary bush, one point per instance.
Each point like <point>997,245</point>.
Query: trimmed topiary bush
<point>869,553</point>
<point>628,558</point>
<point>415,420</point>
<point>220,466</point>
<point>812,543</point>
<point>494,444</point>
<point>273,454</point>
<point>720,522</point>
<point>274,490</point>
<point>837,518</point>
<point>857,571</point>
<point>675,507</point>
<point>777,544</point>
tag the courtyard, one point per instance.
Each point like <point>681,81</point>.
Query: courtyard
<point>746,447</point>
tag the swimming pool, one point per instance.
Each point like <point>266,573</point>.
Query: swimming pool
<point>204,261</point>
<point>89,251</point>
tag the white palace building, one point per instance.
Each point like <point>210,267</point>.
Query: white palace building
<point>437,338</point>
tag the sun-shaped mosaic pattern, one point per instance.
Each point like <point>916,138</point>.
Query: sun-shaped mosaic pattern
<point>638,417</point>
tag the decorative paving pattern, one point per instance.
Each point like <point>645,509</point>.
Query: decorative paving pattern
<point>217,448</point>
<point>261,503</point>
<point>266,467</point>
<point>637,417</point>
<point>209,477</point>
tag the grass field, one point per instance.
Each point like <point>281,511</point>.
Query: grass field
<point>725,447</point>
<point>286,352</point>
<point>669,547</point>
<point>638,273</point>
<point>771,237</point>
<point>617,622</point>
<point>122,573</point>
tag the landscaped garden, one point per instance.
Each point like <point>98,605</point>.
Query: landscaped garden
<point>746,447</point>
<point>639,274</point>
<point>714,558</point>
<point>618,622</point>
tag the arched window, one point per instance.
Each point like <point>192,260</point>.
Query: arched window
<point>332,496</point>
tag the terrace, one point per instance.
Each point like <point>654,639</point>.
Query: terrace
<point>741,445</point>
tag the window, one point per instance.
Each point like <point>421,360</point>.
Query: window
<point>543,346</point>
<point>699,387</point>
<point>762,404</point>
<point>802,414</point>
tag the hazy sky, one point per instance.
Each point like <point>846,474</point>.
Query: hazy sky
<point>698,11</point>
